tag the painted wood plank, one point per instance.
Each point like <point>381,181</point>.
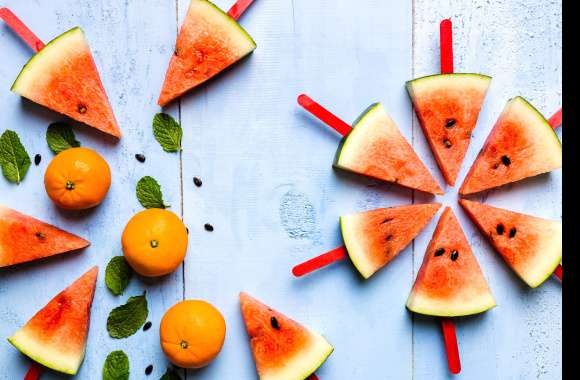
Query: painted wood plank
<point>131,42</point>
<point>520,46</point>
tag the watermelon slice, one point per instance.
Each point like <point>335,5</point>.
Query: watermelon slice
<point>522,144</point>
<point>23,238</point>
<point>447,107</point>
<point>376,148</point>
<point>450,282</point>
<point>63,77</point>
<point>209,41</point>
<point>56,336</point>
<point>373,238</point>
<point>282,348</point>
<point>531,246</point>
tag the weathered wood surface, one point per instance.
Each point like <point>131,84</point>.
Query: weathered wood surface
<point>269,189</point>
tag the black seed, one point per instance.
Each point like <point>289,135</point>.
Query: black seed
<point>389,238</point>
<point>208,227</point>
<point>450,123</point>
<point>447,143</point>
<point>82,108</point>
<point>499,229</point>
<point>140,157</point>
<point>506,160</point>
<point>454,255</point>
<point>147,326</point>
<point>496,165</point>
<point>197,181</point>
<point>274,323</point>
<point>440,251</point>
<point>512,232</point>
<point>387,220</point>
<point>40,235</point>
<point>37,159</point>
<point>148,370</point>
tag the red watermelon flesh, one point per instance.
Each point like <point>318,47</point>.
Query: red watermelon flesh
<point>282,348</point>
<point>209,41</point>
<point>23,238</point>
<point>63,77</point>
<point>56,336</point>
<point>522,144</point>
<point>450,282</point>
<point>447,107</point>
<point>374,238</point>
<point>531,246</point>
<point>376,148</point>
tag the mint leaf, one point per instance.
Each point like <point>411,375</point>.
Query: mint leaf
<point>125,320</point>
<point>167,132</point>
<point>149,193</point>
<point>60,136</point>
<point>117,275</point>
<point>116,366</point>
<point>170,375</point>
<point>14,159</point>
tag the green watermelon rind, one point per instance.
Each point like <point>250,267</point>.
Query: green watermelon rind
<point>441,312</point>
<point>22,347</point>
<point>236,24</point>
<point>409,84</point>
<point>28,65</point>
<point>541,117</point>
<point>326,350</point>
<point>358,259</point>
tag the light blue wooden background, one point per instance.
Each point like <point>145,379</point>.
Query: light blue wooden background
<point>269,189</point>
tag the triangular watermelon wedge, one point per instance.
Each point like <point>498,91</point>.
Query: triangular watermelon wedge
<point>522,144</point>
<point>282,348</point>
<point>376,148</point>
<point>209,41</point>
<point>63,77</point>
<point>374,238</point>
<point>447,107</point>
<point>531,246</point>
<point>57,335</point>
<point>23,239</point>
<point>450,282</point>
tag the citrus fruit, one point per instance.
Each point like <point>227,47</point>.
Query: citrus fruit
<point>192,333</point>
<point>77,179</point>
<point>154,242</point>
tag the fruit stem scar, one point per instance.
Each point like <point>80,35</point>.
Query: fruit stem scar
<point>70,185</point>
<point>154,243</point>
<point>184,344</point>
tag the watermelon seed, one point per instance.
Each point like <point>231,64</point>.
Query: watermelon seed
<point>147,326</point>
<point>450,123</point>
<point>506,160</point>
<point>82,108</point>
<point>37,159</point>
<point>154,243</point>
<point>496,165</point>
<point>447,143</point>
<point>454,255</point>
<point>208,227</point>
<point>176,51</point>
<point>440,251</point>
<point>148,370</point>
<point>70,185</point>
<point>140,157</point>
<point>40,235</point>
<point>387,220</point>
<point>274,323</point>
<point>389,238</point>
<point>499,229</point>
<point>512,232</point>
<point>197,181</point>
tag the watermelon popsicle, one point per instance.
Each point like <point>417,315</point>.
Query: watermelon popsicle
<point>450,283</point>
<point>63,76</point>
<point>374,238</point>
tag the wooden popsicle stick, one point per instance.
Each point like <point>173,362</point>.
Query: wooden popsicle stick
<point>556,119</point>
<point>446,46</point>
<point>34,372</point>
<point>21,29</point>
<point>319,261</point>
<point>558,271</point>
<point>450,338</point>
<point>324,115</point>
<point>239,8</point>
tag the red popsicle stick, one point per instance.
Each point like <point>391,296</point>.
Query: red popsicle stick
<point>312,377</point>
<point>239,8</point>
<point>450,339</point>
<point>446,46</point>
<point>319,261</point>
<point>556,119</point>
<point>34,372</point>
<point>558,271</point>
<point>324,115</point>
<point>21,30</point>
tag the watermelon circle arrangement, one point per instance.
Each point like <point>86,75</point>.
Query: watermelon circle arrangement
<point>62,76</point>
